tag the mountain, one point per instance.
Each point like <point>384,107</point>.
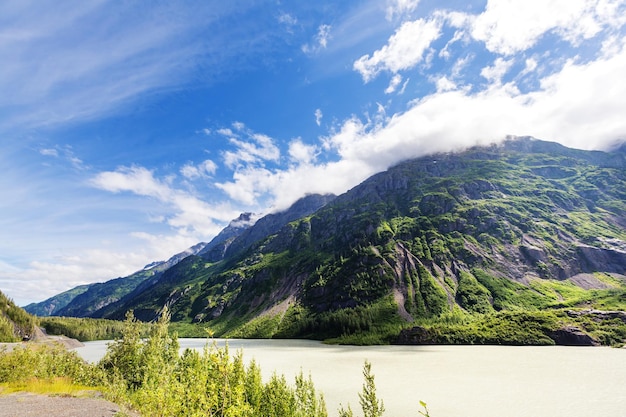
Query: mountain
<point>217,247</point>
<point>510,231</point>
<point>84,300</point>
<point>272,223</point>
<point>53,305</point>
<point>103,299</point>
<point>236,238</point>
<point>15,324</point>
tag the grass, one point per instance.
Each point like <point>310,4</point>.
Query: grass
<point>59,386</point>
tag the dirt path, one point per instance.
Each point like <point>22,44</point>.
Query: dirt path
<point>34,405</point>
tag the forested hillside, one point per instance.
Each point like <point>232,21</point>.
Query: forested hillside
<point>470,239</point>
<point>15,324</point>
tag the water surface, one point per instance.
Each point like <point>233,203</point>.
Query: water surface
<point>455,381</point>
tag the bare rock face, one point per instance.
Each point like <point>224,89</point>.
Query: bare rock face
<point>598,315</point>
<point>601,259</point>
<point>416,336</point>
<point>572,336</point>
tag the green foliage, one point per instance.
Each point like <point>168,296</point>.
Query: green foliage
<point>376,323</point>
<point>345,412</point>
<point>15,323</point>
<point>7,331</point>
<point>370,404</point>
<point>425,412</point>
<point>86,329</point>
<point>42,361</point>
<point>500,328</point>
<point>153,378</point>
<point>559,294</point>
<point>124,357</point>
<point>308,401</point>
<point>510,295</point>
<point>355,277</point>
<point>471,295</point>
<point>607,331</point>
<point>193,330</point>
<point>433,295</point>
<point>263,327</point>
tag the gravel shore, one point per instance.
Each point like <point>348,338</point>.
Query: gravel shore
<point>33,405</point>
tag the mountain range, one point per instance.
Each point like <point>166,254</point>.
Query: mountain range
<point>525,225</point>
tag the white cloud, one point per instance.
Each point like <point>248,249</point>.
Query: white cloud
<point>64,153</point>
<point>510,26</point>
<point>495,72</point>
<point>250,184</point>
<point>225,132</point>
<point>288,20</point>
<point>62,271</point>
<point>566,108</point>
<point>531,65</point>
<point>321,40</point>
<point>460,65</point>
<point>259,148</point>
<point>445,51</point>
<point>204,169</point>
<point>323,35</point>
<point>401,7</point>
<point>135,179</point>
<point>189,213</point>
<point>403,89</point>
<point>404,49</point>
<point>444,84</point>
<point>318,117</point>
<point>393,84</point>
<point>250,147</point>
<point>49,152</point>
<point>301,153</point>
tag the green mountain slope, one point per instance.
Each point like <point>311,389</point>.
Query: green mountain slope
<point>174,284</point>
<point>490,239</point>
<point>52,305</point>
<point>15,323</point>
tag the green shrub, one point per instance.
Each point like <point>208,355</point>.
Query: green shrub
<point>46,362</point>
<point>154,379</point>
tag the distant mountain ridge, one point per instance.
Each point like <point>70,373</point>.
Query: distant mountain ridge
<point>84,300</point>
<point>524,224</point>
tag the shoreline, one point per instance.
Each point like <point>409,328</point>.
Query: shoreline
<point>64,341</point>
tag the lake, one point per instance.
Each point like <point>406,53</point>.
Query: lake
<point>455,381</point>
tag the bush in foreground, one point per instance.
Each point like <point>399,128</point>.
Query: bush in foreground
<point>149,376</point>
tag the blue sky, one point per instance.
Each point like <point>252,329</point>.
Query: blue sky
<point>130,133</point>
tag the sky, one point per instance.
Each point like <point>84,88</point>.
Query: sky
<point>130,131</point>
